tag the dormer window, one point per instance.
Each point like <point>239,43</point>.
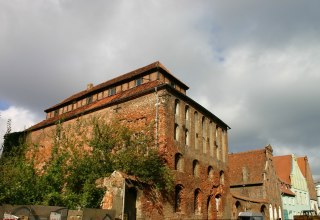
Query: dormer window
<point>139,81</point>
<point>112,91</point>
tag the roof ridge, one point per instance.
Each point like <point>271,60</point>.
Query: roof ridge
<point>118,79</point>
<point>248,151</point>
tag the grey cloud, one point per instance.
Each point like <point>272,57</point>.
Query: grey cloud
<point>253,64</point>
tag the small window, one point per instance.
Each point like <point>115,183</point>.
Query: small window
<point>176,132</point>
<point>187,114</point>
<point>187,140</point>
<point>178,198</point>
<point>197,201</point>
<point>56,112</point>
<point>176,108</point>
<point>196,168</point>
<point>178,162</point>
<point>221,177</point>
<point>138,81</point>
<point>218,204</point>
<point>89,100</point>
<point>112,91</point>
<point>210,173</point>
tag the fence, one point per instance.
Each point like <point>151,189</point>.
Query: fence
<point>37,212</point>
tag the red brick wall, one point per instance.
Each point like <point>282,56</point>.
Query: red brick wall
<point>141,112</point>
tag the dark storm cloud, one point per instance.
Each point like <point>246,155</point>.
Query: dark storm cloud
<point>252,63</point>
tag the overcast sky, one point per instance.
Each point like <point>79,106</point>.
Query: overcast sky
<point>254,64</point>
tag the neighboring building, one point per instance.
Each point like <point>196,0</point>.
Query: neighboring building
<point>283,169</point>
<point>306,171</point>
<point>254,184</point>
<point>288,171</point>
<point>193,141</point>
<point>317,184</point>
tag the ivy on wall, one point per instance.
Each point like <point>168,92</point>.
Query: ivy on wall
<point>68,177</point>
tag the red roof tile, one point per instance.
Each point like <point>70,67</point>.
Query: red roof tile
<point>252,161</point>
<point>135,73</point>
<point>283,166</point>
<point>306,171</point>
<point>97,104</point>
<point>286,191</point>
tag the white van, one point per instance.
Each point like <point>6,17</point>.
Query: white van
<point>250,216</point>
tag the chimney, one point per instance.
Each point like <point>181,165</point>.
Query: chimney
<point>89,86</point>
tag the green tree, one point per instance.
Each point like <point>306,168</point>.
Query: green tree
<point>69,177</point>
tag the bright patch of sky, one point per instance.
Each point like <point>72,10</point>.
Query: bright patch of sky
<point>20,118</point>
<point>3,105</point>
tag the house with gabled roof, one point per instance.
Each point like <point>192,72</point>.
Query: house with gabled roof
<point>317,185</point>
<point>289,172</point>
<point>254,185</point>
<point>306,172</point>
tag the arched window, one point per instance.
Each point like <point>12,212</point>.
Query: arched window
<point>263,210</point>
<point>237,209</point>
<point>187,138</point>
<point>197,201</point>
<point>221,177</point>
<point>218,204</point>
<point>176,132</point>
<point>186,116</point>
<point>196,130</point>
<point>270,212</point>
<point>204,135</point>
<point>217,143</point>
<point>178,162</point>
<point>176,108</point>
<point>210,208</point>
<point>211,138</point>
<point>280,213</point>
<point>196,168</point>
<point>223,145</point>
<point>210,173</point>
<point>178,198</point>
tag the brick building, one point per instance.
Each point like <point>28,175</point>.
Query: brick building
<point>317,185</point>
<point>254,184</point>
<point>193,141</point>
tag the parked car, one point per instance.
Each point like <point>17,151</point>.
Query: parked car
<point>250,216</point>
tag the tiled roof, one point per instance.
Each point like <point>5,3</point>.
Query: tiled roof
<point>283,166</point>
<point>252,161</point>
<point>306,171</point>
<point>286,191</point>
<point>135,73</point>
<point>98,104</point>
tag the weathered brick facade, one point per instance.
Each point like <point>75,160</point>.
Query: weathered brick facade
<point>254,184</point>
<point>193,141</point>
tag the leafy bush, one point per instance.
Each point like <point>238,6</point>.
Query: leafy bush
<point>69,177</point>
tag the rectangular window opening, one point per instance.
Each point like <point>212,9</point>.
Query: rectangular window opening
<point>112,91</point>
<point>139,81</point>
